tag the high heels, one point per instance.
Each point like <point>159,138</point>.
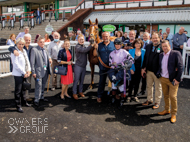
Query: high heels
<point>67,96</point>
<point>62,98</point>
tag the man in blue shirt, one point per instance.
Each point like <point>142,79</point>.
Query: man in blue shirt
<point>104,49</point>
<point>178,40</point>
<point>38,14</point>
<point>170,37</point>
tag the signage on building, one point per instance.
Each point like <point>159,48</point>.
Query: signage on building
<point>49,29</point>
<point>70,29</point>
<point>109,28</point>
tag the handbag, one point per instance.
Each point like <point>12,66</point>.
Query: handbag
<point>26,85</point>
<point>61,70</point>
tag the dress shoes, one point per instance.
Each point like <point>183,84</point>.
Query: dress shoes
<point>20,110</point>
<point>75,96</point>
<point>164,112</point>
<point>27,105</point>
<point>156,106</point>
<point>81,94</point>
<point>29,99</point>
<point>99,100</point>
<point>147,103</point>
<point>44,100</point>
<point>173,118</point>
<point>36,104</point>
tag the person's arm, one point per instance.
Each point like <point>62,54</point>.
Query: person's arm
<point>179,66</point>
<point>59,58</point>
<point>82,49</point>
<point>17,65</point>
<point>49,50</point>
<point>32,61</point>
<point>175,42</point>
<point>11,49</point>
<point>131,59</point>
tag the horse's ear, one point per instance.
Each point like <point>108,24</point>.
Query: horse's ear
<point>96,21</point>
<point>90,22</point>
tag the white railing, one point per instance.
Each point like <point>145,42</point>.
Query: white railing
<point>5,58</point>
<point>186,54</point>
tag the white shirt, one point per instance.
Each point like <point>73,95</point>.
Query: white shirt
<point>19,63</point>
<point>10,42</point>
<point>54,48</point>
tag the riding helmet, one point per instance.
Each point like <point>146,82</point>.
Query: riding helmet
<point>117,41</point>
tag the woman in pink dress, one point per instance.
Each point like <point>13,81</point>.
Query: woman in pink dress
<point>64,58</point>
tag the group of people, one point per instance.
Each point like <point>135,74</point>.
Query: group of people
<point>153,62</point>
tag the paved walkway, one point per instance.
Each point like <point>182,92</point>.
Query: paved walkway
<point>87,121</point>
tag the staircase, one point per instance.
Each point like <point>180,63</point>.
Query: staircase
<point>38,29</point>
<point>78,12</point>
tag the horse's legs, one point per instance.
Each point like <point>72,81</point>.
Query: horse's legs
<point>92,75</point>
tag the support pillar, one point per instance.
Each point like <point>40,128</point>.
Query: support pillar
<point>57,7</point>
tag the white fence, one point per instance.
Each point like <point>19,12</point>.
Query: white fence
<point>186,54</point>
<point>5,58</point>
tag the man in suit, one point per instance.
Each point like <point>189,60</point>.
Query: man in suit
<point>40,67</point>
<point>150,69</point>
<point>170,71</point>
<point>146,40</point>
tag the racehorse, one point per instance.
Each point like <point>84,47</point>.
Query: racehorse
<point>94,35</point>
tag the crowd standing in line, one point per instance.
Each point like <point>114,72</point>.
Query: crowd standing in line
<point>156,58</point>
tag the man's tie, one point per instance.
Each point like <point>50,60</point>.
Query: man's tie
<point>45,56</point>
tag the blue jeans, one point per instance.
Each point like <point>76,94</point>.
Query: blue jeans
<point>38,17</point>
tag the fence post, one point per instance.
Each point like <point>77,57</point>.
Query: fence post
<point>167,2</point>
<point>139,4</point>
<point>183,2</point>
<point>153,3</point>
<point>84,4</point>
<point>104,6</point>
<point>63,15</point>
<point>127,5</point>
<point>93,5</point>
<point>115,5</point>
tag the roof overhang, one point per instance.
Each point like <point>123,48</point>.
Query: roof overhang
<point>20,2</point>
<point>140,17</point>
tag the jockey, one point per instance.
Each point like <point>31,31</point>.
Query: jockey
<point>118,56</point>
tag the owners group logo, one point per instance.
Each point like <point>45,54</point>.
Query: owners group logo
<point>24,125</point>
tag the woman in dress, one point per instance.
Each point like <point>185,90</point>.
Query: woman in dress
<point>138,54</point>
<point>21,70</point>
<point>64,58</point>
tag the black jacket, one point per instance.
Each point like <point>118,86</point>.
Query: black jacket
<point>175,65</point>
<point>154,60</point>
<point>62,56</point>
<point>12,48</point>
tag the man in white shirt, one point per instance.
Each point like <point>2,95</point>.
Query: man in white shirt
<point>53,50</point>
<point>21,34</point>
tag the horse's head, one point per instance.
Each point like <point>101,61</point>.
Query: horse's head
<point>93,30</point>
